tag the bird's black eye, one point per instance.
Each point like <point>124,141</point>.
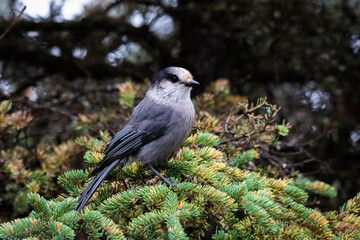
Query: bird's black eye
<point>173,78</point>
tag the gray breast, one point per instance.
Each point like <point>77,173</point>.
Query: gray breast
<point>159,151</point>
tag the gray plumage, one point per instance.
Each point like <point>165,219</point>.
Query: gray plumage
<point>158,126</point>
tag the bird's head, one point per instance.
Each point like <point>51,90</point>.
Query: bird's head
<point>173,83</point>
<point>175,76</point>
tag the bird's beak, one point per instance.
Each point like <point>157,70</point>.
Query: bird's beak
<point>191,83</point>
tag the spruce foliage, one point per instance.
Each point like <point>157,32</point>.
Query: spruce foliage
<point>219,185</point>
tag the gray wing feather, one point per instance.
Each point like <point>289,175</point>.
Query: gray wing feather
<point>147,123</point>
<point>145,126</point>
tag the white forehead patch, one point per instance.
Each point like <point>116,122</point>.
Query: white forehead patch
<point>182,73</point>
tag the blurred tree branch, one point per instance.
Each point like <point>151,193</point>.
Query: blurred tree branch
<point>12,23</point>
<point>63,34</point>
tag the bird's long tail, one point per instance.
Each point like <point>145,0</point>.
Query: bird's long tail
<point>90,190</point>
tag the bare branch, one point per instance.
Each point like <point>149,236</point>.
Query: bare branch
<point>13,23</point>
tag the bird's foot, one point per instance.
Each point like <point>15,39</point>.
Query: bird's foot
<point>165,180</point>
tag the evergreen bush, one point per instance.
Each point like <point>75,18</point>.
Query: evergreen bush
<point>222,189</point>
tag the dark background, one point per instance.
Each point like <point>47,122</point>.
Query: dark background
<point>302,54</point>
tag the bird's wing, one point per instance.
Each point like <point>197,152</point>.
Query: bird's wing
<point>148,122</point>
<point>134,135</point>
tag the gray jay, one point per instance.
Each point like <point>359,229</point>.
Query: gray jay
<point>158,126</point>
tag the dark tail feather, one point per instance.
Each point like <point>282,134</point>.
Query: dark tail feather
<point>90,190</point>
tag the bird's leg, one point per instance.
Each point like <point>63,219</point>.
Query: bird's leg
<point>166,181</point>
